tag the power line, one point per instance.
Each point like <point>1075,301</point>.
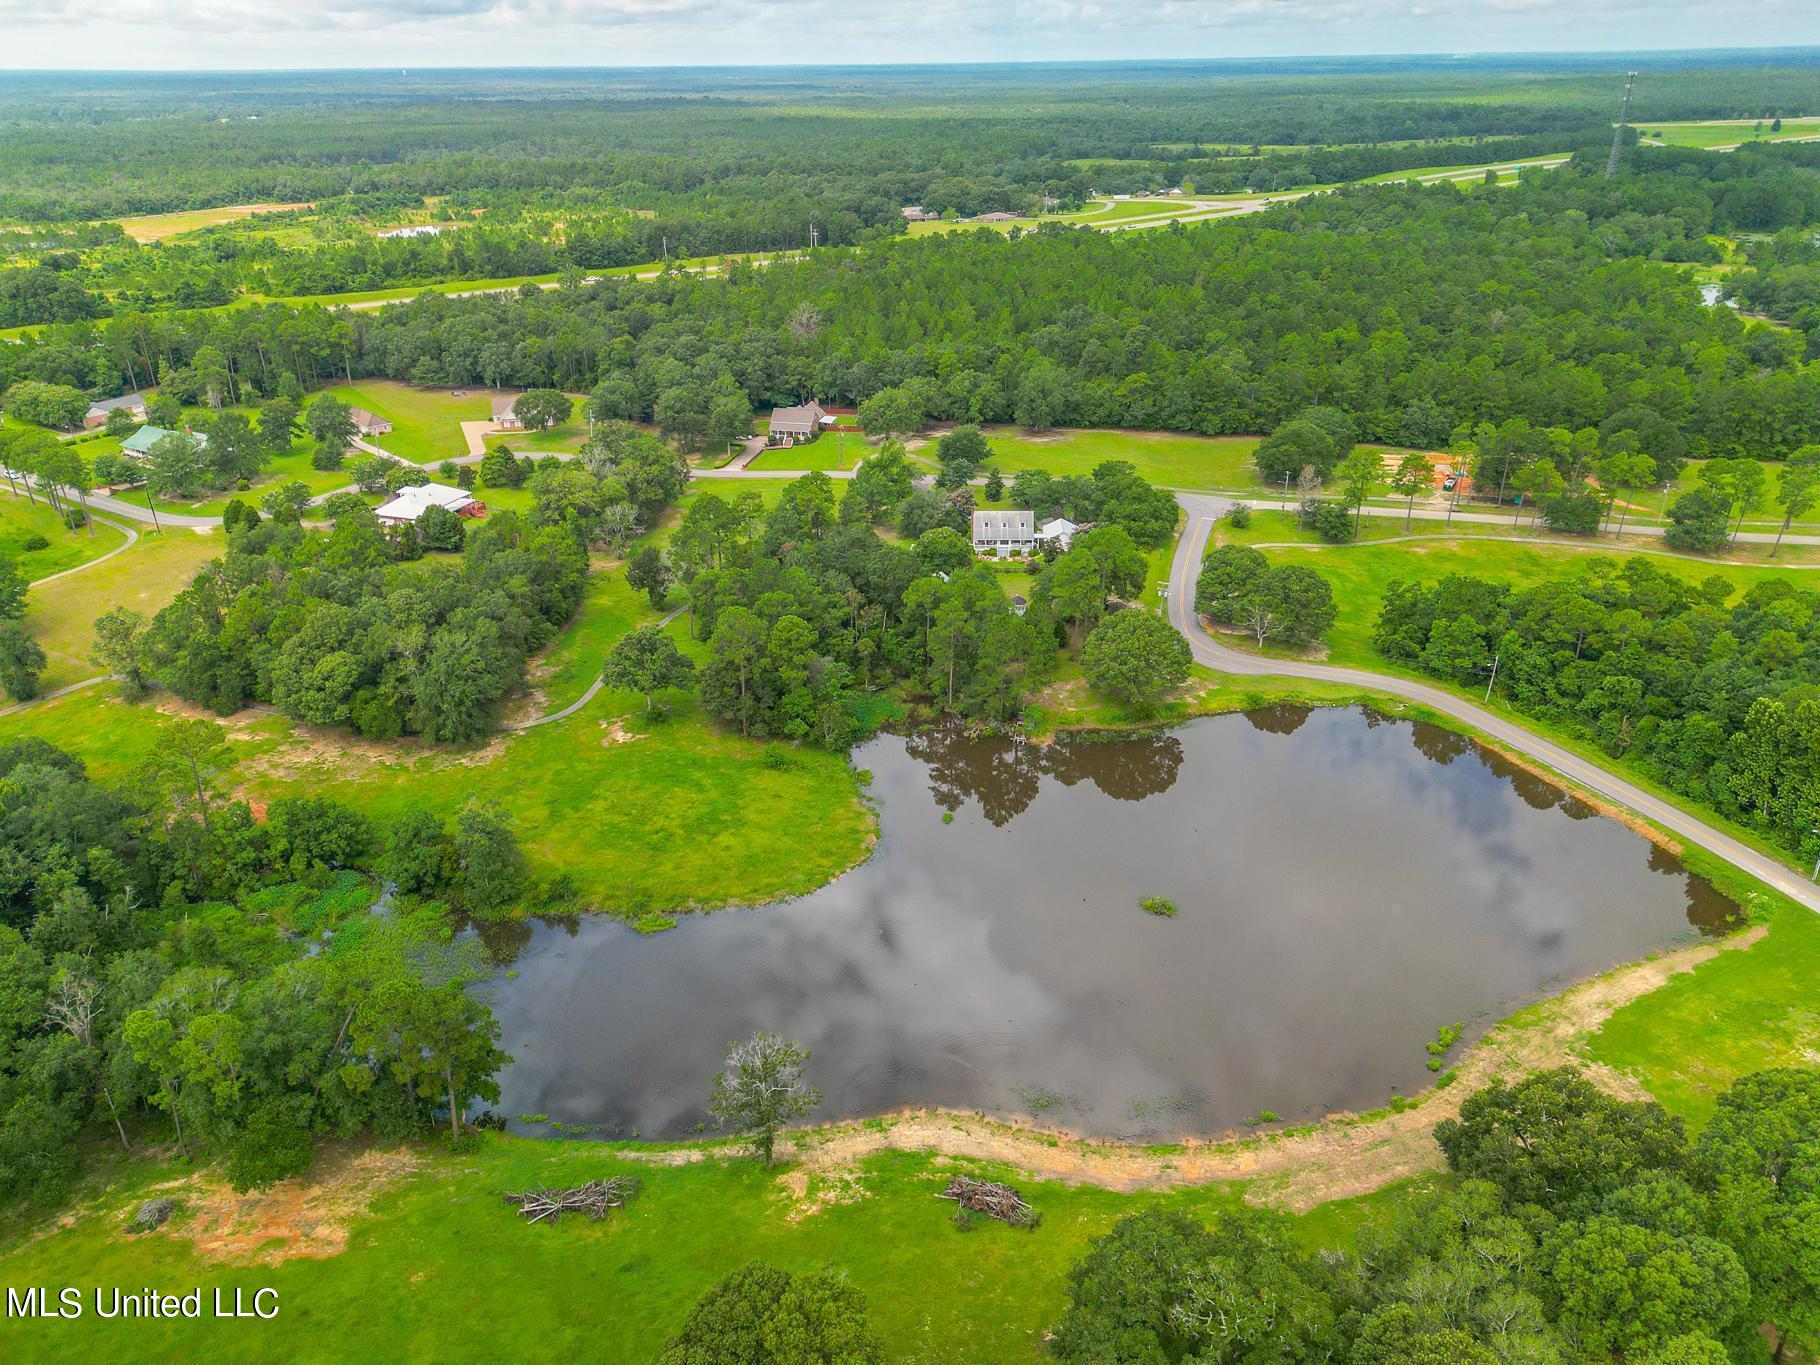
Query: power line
<point>1617,136</point>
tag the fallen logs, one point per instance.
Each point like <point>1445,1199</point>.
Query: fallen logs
<point>990,1198</point>
<point>596,1199</point>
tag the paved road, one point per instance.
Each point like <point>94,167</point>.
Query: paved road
<point>1203,511</point>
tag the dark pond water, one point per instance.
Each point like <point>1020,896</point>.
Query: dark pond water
<point>1346,886</point>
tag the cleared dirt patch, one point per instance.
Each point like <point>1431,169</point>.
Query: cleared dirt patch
<point>308,1217</point>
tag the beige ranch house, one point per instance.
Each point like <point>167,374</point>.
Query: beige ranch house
<point>505,413</point>
<point>797,425</point>
<point>369,424</point>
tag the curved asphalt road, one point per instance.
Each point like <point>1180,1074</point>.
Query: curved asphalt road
<point>1204,511</point>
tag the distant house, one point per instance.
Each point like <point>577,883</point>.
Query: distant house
<point>411,503</point>
<point>132,403</point>
<point>505,413</point>
<point>916,213</point>
<point>1004,533</point>
<point>368,424</point>
<point>142,440</point>
<point>997,216</point>
<point>415,230</point>
<point>1058,529</point>
<point>794,426</point>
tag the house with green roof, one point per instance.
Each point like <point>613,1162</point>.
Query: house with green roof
<point>142,440</point>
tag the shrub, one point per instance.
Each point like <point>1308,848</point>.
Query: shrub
<point>1331,522</point>
<point>1239,515</point>
<point>1158,905</point>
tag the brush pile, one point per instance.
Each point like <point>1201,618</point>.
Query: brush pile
<point>990,1198</point>
<point>596,1199</point>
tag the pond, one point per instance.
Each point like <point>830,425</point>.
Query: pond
<point>1346,885</point>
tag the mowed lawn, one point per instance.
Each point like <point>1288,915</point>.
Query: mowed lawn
<point>21,520</point>
<point>1727,133</point>
<point>426,423</point>
<point>61,616</point>
<point>836,449</point>
<point>1740,1012</point>
<point>1168,458</point>
<point>1360,573</point>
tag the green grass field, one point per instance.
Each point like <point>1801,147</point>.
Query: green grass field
<point>834,450</point>
<point>1360,573</point>
<point>61,618</point>
<point>1725,132</point>
<point>21,519</point>
<point>1171,459</point>
<point>440,1251</point>
<point>426,423</point>
<point>1740,1012</point>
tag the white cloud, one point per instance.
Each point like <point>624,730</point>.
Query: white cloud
<point>227,33</point>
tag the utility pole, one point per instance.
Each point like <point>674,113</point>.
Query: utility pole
<point>814,236</point>
<point>1617,135</point>
<point>1494,676</point>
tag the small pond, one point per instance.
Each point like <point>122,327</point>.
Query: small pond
<point>1347,884</point>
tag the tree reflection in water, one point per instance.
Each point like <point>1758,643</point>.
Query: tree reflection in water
<point>1004,774</point>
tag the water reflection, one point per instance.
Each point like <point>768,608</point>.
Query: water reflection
<point>1004,774</point>
<point>1347,885</point>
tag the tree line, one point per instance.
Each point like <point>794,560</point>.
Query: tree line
<point>1707,691</point>
<point>173,970</point>
<point>1582,1228</point>
<point>1417,311</point>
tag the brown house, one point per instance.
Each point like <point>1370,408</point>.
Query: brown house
<point>794,426</point>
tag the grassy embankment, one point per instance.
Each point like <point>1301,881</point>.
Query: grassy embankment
<point>22,520</point>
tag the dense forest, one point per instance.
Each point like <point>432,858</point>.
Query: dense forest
<point>172,969</point>
<point>76,147</point>
<point>1713,697</point>
<point>1418,311</point>
<point>1582,1228</point>
<point>590,170</point>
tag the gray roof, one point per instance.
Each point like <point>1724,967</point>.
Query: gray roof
<point>125,400</point>
<point>505,407</point>
<point>1009,525</point>
<point>803,417</point>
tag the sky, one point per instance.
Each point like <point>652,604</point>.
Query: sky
<point>273,34</point>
